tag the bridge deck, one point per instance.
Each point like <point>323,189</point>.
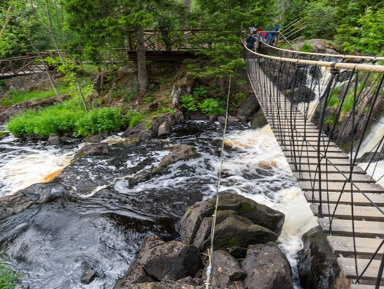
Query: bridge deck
<point>323,172</point>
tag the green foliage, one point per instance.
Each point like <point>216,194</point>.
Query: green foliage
<point>189,103</point>
<point>306,47</point>
<point>18,96</point>
<point>134,117</point>
<point>348,103</point>
<point>103,120</point>
<point>225,22</point>
<point>240,96</point>
<point>212,106</point>
<point>320,19</point>
<point>333,101</point>
<point>149,99</point>
<point>329,120</point>
<point>199,91</point>
<point>68,118</point>
<point>8,278</point>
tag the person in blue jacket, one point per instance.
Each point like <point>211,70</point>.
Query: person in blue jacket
<point>251,39</point>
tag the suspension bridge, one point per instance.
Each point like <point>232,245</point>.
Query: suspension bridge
<point>316,104</point>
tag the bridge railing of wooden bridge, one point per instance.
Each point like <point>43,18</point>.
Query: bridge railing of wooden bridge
<point>172,40</point>
<point>316,108</point>
<point>22,65</point>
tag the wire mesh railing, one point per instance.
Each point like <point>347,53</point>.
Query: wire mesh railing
<point>327,116</point>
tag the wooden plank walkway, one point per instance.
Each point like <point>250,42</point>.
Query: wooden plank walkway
<point>344,192</point>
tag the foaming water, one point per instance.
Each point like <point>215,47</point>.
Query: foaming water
<point>22,165</point>
<point>372,140</point>
<point>105,205</point>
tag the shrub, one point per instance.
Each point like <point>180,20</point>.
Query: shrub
<point>103,120</point>
<point>199,91</point>
<point>212,106</point>
<point>134,117</point>
<point>189,103</point>
<point>60,119</point>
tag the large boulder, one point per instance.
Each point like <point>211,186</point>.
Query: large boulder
<point>317,264</point>
<point>227,272</point>
<point>173,260</point>
<point>267,268</point>
<point>258,214</point>
<point>247,109</point>
<point>300,94</point>
<point>232,231</point>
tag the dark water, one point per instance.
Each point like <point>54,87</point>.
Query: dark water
<point>100,208</point>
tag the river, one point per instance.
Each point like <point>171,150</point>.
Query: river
<point>97,211</point>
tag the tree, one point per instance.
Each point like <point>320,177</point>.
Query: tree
<point>224,24</point>
<point>101,23</point>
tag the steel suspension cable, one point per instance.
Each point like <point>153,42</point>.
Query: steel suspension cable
<point>211,250</point>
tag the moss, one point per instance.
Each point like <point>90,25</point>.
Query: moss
<point>245,207</point>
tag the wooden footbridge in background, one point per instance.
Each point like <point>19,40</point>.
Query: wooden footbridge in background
<point>347,201</point>
<point>159,45</point>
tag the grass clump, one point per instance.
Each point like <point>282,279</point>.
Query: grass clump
<point>18,96</point>
<point>306,47</point>
<point>8,278</point>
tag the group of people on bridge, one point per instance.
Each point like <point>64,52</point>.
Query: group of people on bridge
<point>259,35</point>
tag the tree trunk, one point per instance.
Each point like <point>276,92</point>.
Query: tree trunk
<point>188,4</point>
<point>7,18</point>
<point>142,76</point>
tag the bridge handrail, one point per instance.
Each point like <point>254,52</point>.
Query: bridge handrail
<point>345,56</point>
<point>337,65</point>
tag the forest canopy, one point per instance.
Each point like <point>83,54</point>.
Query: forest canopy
<point>90,29</point>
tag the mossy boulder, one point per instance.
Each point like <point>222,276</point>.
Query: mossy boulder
<point>240,221</point>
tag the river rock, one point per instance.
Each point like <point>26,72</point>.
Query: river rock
<point>89,274</point>
<point>135,274</point>
<point>148,243</point>
<point>300,94</point>
<point>232,231</point>
<point>178,153</point>
<point>232,120</point>
<point>53,139</point>
<point>164,129</point>
<point>259,214</point>
<point>227,272</point>
<point>139,131</point>
<point>168,261</point>
<point>247,109</point>
<point>267,268</point>
<point>161,126</point>
<point>317,264</point>
<point>93,150</point>
<point>13,204</point>
<point>258,120</point>
<point>182,86</point>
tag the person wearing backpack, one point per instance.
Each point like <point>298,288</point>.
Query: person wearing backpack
<point>250,40</point>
